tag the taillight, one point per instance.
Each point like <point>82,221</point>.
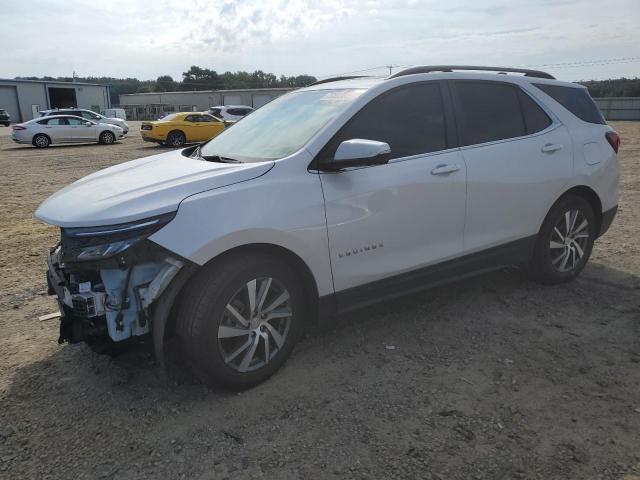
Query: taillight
<point>18,127</point>
<point>614,140</point>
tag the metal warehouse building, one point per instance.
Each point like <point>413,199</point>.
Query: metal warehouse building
<point>24,98</point>
<point>149,106</point>
<point>619,108</point>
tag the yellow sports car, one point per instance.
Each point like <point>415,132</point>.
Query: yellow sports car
<point>177,129</point>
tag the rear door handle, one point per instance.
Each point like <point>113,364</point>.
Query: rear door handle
<point>444,169</point>
<point>551,147</point>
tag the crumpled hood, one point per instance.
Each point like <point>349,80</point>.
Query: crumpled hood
<point>140,188</point>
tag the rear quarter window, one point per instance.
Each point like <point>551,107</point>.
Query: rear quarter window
<point>576,100</point>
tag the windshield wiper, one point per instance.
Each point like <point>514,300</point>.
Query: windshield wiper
<point>218,158</point>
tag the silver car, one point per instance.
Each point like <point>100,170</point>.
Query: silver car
<point>87,114</point>
<point>42,132</point>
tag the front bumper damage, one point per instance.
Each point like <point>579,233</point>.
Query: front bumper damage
<point>109,301</point>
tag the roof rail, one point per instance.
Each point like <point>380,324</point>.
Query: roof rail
<point>451,68</point>
<point>336,79</point>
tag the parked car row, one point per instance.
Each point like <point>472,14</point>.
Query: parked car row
<point>76,125</point>
<point>44,131</point>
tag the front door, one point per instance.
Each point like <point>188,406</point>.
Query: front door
<point>518,161</point>
<point>384,221</point>
<point>79,131</point>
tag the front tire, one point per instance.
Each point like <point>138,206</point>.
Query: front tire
<point>240,319</point>
<point>107,138</point>
<point>564,242</point>
<point>41,141</point>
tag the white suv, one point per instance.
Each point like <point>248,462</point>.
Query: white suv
<point>329,198</point>
<point>231,113</point>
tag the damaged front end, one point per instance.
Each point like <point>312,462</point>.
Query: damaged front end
<point>106,278</point>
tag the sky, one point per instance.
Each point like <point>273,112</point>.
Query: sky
<point>572,39</point>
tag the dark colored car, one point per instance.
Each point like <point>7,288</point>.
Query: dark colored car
<point>5,118</point>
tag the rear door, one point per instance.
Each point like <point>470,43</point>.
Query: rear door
<point>518,159</point>
<point>57,129</point>
<point>388,220</point>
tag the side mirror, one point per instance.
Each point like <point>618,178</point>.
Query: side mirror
<point>359,153</point>
<point>87,124</point>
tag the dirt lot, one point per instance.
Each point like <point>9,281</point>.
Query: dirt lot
<point>495,377</point>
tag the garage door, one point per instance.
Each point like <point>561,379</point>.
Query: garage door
<point>231,100</point>
<point>260,100</point>
<point>9,101</point>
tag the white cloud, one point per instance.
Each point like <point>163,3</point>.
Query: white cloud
<point>147,38</point>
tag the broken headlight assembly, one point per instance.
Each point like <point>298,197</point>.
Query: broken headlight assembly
<point>97,243</point>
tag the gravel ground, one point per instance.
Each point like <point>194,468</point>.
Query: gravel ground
<point>494,377</point>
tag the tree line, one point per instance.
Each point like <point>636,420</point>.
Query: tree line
<point>196,78</point>
<point>619,87</point>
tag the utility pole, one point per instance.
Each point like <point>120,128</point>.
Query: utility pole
<point>390,67</point>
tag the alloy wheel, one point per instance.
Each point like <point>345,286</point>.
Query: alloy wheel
<point>255,324</point>
<point>569,240</point>
<point>41,141</point>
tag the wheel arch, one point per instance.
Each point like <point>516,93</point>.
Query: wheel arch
<point>590,195</point>
<point>33,139</point>
<point>107,131</point>
<point>165,309</point>
<point>177,130</point>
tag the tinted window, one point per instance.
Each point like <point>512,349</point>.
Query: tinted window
<point>75,121</point>
<point>208,118</point>
<point>535,118</point>
<point>410,119</point>
<point>488,112</point>
<point>192,118</point>
<point>576,100</point>
<point>238,111</point>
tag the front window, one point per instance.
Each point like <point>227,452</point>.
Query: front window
<point>281,127</point>
<point>90,116</point>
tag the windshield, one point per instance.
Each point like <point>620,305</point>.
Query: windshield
<point>281,127</point>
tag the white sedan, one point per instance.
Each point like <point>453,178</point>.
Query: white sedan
<point>42,132</point>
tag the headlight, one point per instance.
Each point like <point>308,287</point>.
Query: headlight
<point>97,243</point>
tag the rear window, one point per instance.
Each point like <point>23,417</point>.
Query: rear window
<point>576,100</point>
<point>488,112</point>
<point>168,118</point>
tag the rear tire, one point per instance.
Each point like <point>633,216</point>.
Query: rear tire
<point>240,319</point>
<point>175,139</point>
<point>107,138</point>
<point>41,141</point>
<point>564,242</point>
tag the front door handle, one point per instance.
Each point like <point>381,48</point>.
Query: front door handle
<point>444,169</point>
<point>551,147</point>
